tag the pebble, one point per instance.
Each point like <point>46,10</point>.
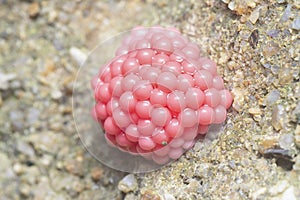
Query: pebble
<point>17,119</point>
<point>272,97</point>
<point>148,194</point>
<point>128,184</point>
<point>286,141</point>
<point>47,141</point>
<point>254,15</point>
<point>78,55</point>
<point>278,115</point>
<point>278,188</point>
<point>254,111</point>
<point>168,196</point>
<point>96,174</point>
<point>4,80</point>
<point>18,168</point>
<point>25,148</point>
<point>56,94</point>
<point>238,99</point>
<point>289,194</point>
<point>34,10</point>
<point>296,24</point>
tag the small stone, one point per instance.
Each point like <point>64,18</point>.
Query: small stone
<point>168,196</point>
<point>128,184</point>
<point>289,194</point>
<point>25,190</point>
<point>4,80</point>
<point>278,115</point>
<point>34,10</point>
<point>78,55</point>
<point>272,97</point>
<point>238,99</point>
<point>18,168</point>
<point>74,167</point>
<point>254,111</point>
<point>17,119</point>
<point>254,15</point>
<point>296,24</point>
<point>149,195</point>
<point>56,94</point>
<point>278,188</point>
<point>25,148</point>
<point>96,174</point>
<point>287,13</point>
<point>270,49</point>
<point>286,141</point>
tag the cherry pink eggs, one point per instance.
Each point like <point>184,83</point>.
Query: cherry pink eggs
<point>157,95</point>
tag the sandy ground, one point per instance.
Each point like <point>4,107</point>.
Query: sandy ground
<point>256,45</point>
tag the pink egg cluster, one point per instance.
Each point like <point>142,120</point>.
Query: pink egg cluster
<point>158,94</point>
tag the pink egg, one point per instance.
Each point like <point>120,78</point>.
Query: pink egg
<point>188,144</point>
<point>162,151</point>
<point>143,109</point>
<point>130,65</point>
<point>206,115</point>
<point>123,141</point>
<point>177,142</point>
<point>127,102</point>
<point>167,81</point>
<point>105,74</point>
<point>142,44</point>
<point>188,67</point>
<point>129,81</point>
<point>121,118</point>
<point>110,127</point>
<point>102,93</point>
<point>116,66</point>
<point>158,97</point>
<point>145,127</point>
<point>144,56</point>
<point>212,97</point>
<point>160,159</point>
<point>203,79</point>
<point>95,81</point>
<point>111,105</point>
<point>100,109</point>
<point>178,42</point>
<point>218,82</point>
<point>208,65</point>
<point>203,129</point>
<point>142,90</point>
<point>160,116</point>
<point>115,86</point>
<point>159,59</point>
<point>190,133</point>
<point>194,98</point>
<point>187,117</point>
<point>191,52</point>
<point>220,114</point>
<point>146,143</point>
<point>177,56</point>
<point>150,74</point>
<point>163,44</point>
<point>175,153</point>
<point>174,129</point>
<point>159,136</point>
<point>226,98</point>
<point>173,67</point>
<point>132,133</point>
<point>176,101</point>
<point>185,82</point>
<point>111,140</point>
